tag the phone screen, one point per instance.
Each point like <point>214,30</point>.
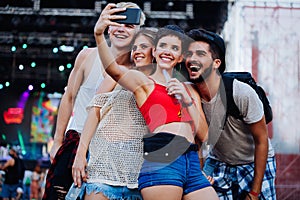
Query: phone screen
<point>132,16</point>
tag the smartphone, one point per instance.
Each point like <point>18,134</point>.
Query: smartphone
<point>132,16</point>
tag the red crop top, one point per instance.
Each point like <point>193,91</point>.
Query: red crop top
<point>161,108</point>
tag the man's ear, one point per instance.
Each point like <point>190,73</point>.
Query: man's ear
<point>217,63</point>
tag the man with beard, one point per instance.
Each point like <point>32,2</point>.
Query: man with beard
<point>241,159</point>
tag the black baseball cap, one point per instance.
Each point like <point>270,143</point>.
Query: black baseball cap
<point>211,38</point>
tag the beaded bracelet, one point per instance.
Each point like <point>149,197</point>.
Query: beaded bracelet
<point>185,105</point>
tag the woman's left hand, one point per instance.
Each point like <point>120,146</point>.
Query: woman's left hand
<point>78,169</point>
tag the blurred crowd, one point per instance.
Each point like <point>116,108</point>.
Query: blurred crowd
<point>31,182</point>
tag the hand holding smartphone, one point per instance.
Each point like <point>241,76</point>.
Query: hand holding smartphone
<point>132,16</point>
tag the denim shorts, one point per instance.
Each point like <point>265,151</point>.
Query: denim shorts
<point>184,172</point>
<point>113,192</point>
<point>9,190</point>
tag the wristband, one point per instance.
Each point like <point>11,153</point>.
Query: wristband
<point>185,105</point>
<point>254,193</point>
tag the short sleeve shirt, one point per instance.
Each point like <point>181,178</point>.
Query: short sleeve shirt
<point>233,143</point>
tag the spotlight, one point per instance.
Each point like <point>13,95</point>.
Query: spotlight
<point>65,48</point>
<point>33,64</point>
<point>170,3</point>
<point>30,87</point>
<point>69,65</point>
<point>55,50</point>
<point>61,68</point>
<point>13,48</point>
<point>21,67</point>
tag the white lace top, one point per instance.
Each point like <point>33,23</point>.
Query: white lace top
<point>116,150</point>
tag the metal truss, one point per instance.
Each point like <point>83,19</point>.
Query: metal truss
<point>36,10</point>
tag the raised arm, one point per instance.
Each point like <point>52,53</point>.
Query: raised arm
<point>130,79</point>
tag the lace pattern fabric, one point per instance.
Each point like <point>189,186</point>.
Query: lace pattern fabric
<point>116,150</point>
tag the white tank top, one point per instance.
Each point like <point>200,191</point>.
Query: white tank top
<point>86,93</point>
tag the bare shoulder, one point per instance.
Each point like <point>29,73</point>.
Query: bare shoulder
<point>85,55</point>
<point>87,51</point>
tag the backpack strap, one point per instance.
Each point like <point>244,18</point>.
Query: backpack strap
<point>226,92</point>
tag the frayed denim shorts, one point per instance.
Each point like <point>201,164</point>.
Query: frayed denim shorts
<point>113,192</point>
<point>184,172</point>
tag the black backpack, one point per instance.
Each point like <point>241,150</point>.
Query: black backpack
<point>245,77</point>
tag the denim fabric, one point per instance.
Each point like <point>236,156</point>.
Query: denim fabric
<point>9,190</point>
<point>113,192</point>
<point>184,172</point>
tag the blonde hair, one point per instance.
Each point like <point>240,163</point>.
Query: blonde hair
<point>149,32</point>
<point>133,5</point>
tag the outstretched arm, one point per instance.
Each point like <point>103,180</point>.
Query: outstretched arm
<point>130,79</point>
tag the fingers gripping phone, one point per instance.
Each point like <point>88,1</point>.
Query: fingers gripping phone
<point>132,16</point>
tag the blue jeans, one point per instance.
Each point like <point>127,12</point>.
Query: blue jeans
<point>113,192</point>
<point>26,194</point>
<point>184,172</point>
